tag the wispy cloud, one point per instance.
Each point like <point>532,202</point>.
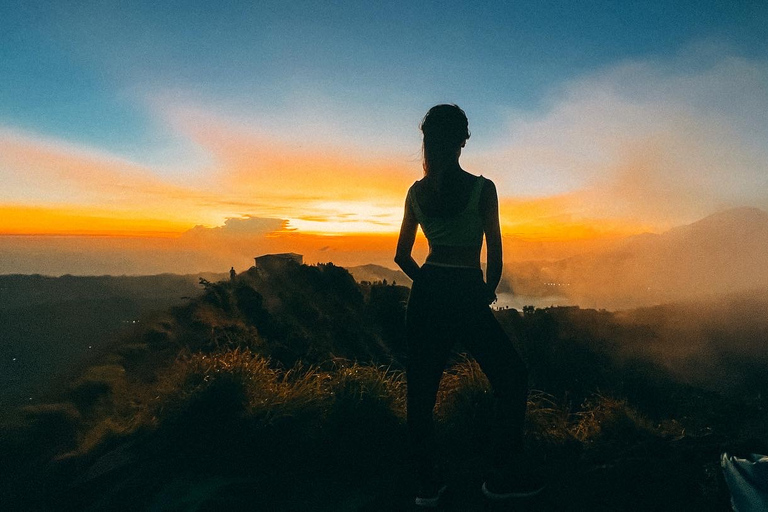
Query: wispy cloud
<point>318,188</point>
<point>38,172</point>
<point>310,178</point>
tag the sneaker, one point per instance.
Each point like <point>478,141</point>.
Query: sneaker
<point>429,497</point>
<point>521,486</point>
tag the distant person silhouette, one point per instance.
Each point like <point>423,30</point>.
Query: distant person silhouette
<point>232,274</point>
<point>449,301</point>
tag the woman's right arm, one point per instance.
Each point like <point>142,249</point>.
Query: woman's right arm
<point>405,242</point>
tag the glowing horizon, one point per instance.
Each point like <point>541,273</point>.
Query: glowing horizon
<point>44,221</point>
<point>329,197</point>
<point>300,126</point>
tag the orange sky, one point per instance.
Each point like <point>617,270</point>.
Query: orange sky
<point>587,169</point>
<point>319,191</point>
<point>101,214</point>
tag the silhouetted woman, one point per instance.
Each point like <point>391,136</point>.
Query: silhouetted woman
<point>450,301</point>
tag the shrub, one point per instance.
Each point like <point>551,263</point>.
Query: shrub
<point>609,420</point>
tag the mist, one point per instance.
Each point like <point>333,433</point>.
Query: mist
<point>720,344</point>
<point>723,253</point>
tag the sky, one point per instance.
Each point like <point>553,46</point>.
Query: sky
<point>140,137</point>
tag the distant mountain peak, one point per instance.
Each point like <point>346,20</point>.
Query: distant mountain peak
<point>737,219</point>
<point>740,214</point>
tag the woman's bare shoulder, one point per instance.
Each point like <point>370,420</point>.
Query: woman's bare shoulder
<point>422,184</point>
<point>488,184</point>
<point>488,193</point>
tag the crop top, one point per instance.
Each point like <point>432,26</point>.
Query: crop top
<point>465,229</point>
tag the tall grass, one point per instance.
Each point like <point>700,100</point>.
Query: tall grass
<point>340,425</point>
<point>342,397</point>
<point>269,392</point>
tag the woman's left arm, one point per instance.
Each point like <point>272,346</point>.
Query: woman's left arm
<point>489,204</point>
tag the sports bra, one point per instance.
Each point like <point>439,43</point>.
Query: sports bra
<point>465,229</point>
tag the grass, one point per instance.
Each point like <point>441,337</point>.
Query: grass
<point>233,415</point>
<point>341,396</point>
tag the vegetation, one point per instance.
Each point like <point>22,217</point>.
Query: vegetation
<point>286,391</point>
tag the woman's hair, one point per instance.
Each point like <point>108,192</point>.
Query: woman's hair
<point>445,129</point>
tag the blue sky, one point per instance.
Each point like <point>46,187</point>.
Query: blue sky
<point>83,71</point>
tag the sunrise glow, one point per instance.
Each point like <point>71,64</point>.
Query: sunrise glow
<point>235,133</point>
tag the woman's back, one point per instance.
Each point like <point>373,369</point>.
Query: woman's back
<point>455,209</point>
<point>444,197</point>
<point>451,215</point>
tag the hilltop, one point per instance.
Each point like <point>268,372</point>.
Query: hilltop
<point>227,400</point>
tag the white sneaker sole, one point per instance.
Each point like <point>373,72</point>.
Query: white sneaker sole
<point>507,495</point>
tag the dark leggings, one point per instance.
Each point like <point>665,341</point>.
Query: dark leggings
<point>448,305</point>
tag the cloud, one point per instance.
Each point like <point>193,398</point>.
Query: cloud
<point>240,239</point>
<point>82,168</point>
<point>659,142</point>
<point>240,227</point>
<point>249,161</point>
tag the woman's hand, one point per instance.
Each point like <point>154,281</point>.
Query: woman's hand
<point>490,294</point>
